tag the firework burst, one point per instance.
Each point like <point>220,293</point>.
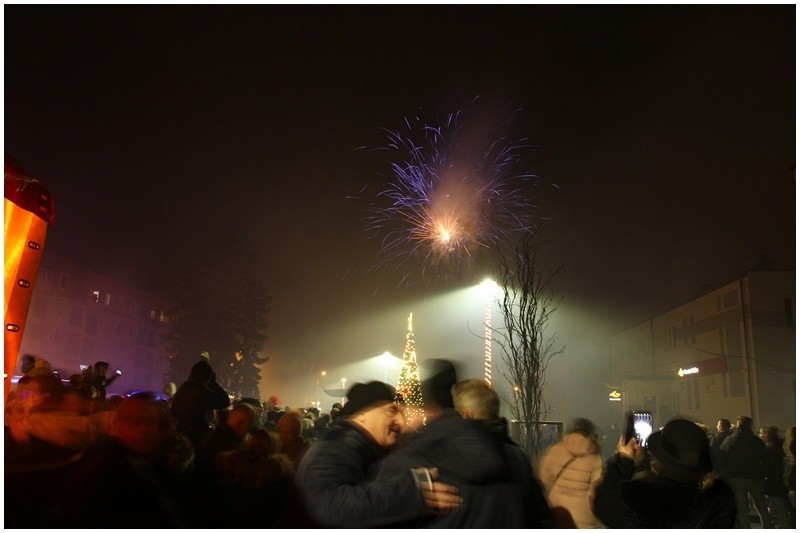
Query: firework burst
<point>451,194</point>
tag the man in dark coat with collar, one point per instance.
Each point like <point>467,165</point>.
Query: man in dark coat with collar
<point>743,457</point>
<point>465,452</point>
<point>335,479</point>
<point>723,432</point>
<point>522,495</point>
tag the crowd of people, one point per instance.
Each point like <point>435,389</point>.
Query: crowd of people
<point>74,458</point>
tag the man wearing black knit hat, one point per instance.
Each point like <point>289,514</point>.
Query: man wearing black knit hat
<point>334,481</point>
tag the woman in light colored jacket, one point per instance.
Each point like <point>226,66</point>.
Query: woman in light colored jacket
<point>570,470</point>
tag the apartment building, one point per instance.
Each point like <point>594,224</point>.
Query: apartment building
<point>78,317</point>
<point>727,353</point>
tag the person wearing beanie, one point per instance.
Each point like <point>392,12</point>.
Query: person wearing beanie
<point>677,492</point>
<point>334,481</point>
<point>465,453</point>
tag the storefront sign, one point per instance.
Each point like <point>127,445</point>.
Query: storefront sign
<point>706,367</point>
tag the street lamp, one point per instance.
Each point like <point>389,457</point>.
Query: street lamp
<point>489,288</point>
<point>387,361</point>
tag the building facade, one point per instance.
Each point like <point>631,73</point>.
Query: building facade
<point>78,317</point>
<point>727,353</point>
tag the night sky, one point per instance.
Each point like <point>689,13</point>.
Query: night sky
<point>669,132</point>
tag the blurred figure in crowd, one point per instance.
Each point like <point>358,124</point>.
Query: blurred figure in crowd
<point>522,495</point>
<point>464,452</point>
<point>743,456</point>
<point>256,480</point>
<point>789,471</point>
<point>257,407</point>
<point>127,482</point>
<point>723,432</point>
<point>170,388</point>
<point>293,443</point>
<point>100,381</point>
<point>47,435</point>
<point>195,401</point>
<point>774,486</point>
<point>570,471</point>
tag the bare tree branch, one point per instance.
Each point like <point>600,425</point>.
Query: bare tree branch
<point>528,302</point>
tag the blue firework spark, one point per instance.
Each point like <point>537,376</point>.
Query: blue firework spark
<point>451,193</point>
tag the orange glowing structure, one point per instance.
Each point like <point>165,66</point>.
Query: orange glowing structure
<point>28,208</point>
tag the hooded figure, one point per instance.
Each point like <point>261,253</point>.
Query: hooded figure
<point>195,401</point>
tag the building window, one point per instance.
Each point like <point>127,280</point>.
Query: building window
<point>46,274</point>
<point>788,304</point>
<point>696,384</point>
<point>63,281</point>
<point>108,299</point>
<point>672,336</point>
<point>96,296</point>
<point>153,314</point>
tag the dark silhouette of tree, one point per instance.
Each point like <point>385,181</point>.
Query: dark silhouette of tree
<point>527,303</point>
<point>222,314</point>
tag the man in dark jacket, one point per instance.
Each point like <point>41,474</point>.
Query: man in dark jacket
<point>743,458</point>
<point>723,432</point>
<point>335,480</point>
<point>194,403</point>
<point>523,497</point>
<point>100,382</point>
<point>465,453</point>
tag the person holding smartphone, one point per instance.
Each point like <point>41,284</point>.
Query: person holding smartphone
<point>100,381</point>
<point>676,492</point>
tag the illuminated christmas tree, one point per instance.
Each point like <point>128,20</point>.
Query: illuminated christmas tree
<point>409,386</point>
